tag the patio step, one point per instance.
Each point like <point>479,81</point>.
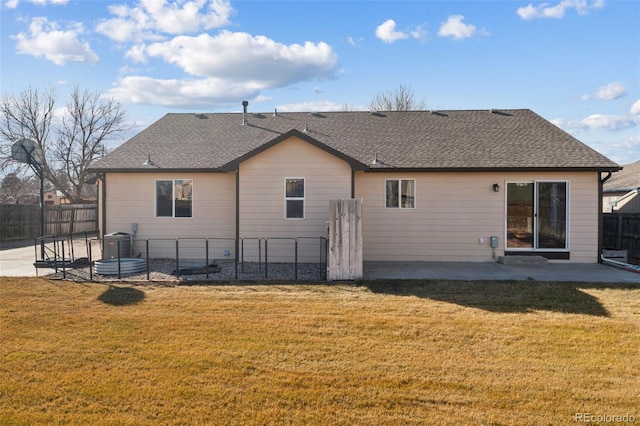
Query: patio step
<point>522,260</point>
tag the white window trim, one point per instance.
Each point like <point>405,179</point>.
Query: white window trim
<point>415,198</point>
<point>303,198</point>
<point>535,218</point>
<point>173,197</point>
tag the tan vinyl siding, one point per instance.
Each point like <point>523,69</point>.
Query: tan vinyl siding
<point>455,210</point>
<point>131,199</point>
<point>262,192</point>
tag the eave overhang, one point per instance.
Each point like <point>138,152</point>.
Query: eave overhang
<point>490,169</point>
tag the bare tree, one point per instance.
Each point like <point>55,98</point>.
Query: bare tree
<point>70,141</point>
<point>89,120</point>
<point>26,116</point>
<point>400,99</point>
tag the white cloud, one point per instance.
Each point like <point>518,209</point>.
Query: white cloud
<point>419,33</point>
<point>46,2</point>
<point>611,91</point>
<point>203,93</point>
<point>314,106</point>
<point>127,70</point>
<point>598,122</point>
<point>454,27</point>
<point>150,19</point>
<point>619,151</point>
<point>635,108</point>
<point>354,42</point>
<point>12,4</point>
<point>227,67</point>
<point>544,10</point>
<point>242,57</point>
<point>609,122</point>
<point>45,39</point>
<point>387,32</point>
<point>137,53</point>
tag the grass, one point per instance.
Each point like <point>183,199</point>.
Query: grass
<point>404,352</point>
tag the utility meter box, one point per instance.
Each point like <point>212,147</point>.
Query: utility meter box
<point>494,242</point>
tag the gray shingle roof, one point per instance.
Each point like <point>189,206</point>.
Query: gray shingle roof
<point>626,180</point>
<point>440,140</point>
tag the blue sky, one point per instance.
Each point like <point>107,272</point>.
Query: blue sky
<point>574,62</point>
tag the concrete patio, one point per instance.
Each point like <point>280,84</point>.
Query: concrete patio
<point>17,260</point>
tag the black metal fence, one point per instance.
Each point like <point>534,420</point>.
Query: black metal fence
<point>621,231</point>
<point>86,256</point>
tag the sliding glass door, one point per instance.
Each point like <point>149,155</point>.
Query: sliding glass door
<point>536,216</point>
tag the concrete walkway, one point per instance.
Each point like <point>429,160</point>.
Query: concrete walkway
<point>17,261</point>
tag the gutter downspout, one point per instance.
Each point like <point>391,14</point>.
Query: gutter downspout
<point>600,216</point>
<point>103,207</point>
<point>353,183</point>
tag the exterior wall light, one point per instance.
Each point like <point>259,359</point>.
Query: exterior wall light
<point>496,187</point>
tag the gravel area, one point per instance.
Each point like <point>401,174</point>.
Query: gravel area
<point>164,271</point>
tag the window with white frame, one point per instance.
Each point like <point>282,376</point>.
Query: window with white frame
<point>400,193</point>
<point>174,198</point>
<point>294,198</point>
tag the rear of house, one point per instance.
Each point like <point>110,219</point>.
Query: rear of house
<point>436,185</point>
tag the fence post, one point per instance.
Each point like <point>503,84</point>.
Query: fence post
<point>118,247</point>
<point>55,252</point>
<point>266,259</point>
<point>241,256</point>
<point>177,259</point>
<point>295,245</point>
<point>147,255</point>
<point>64,266</point>
<point>72,252</point>
<point>236,258</point>
<point>73,218</point>
<point>89,253</point>
<point>326,258</point>
<point>206,260</point>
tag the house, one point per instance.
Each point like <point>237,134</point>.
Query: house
<point>463,185</point>
<point>620,192</point>
<point>53,198</point>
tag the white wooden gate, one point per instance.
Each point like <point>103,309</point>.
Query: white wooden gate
<point>344,260</point>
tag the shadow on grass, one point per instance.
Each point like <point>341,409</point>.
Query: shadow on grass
<point>499,296</point>
<point>121,296</point>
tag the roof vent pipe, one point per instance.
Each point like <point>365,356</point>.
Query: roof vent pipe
<point>245,104</point>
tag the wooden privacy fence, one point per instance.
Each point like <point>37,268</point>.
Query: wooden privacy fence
<point>621,231</point>
<point>21,221</point>
<point>345,240</point>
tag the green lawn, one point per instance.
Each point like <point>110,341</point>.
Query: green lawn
<point>380,352</point>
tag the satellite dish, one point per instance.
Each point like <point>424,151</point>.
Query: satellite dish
<point>27,151</point>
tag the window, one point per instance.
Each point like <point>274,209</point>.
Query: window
<point>400,193</point>
<point>294,198</point>
<point>174,198</point>
<point>537,215</point>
